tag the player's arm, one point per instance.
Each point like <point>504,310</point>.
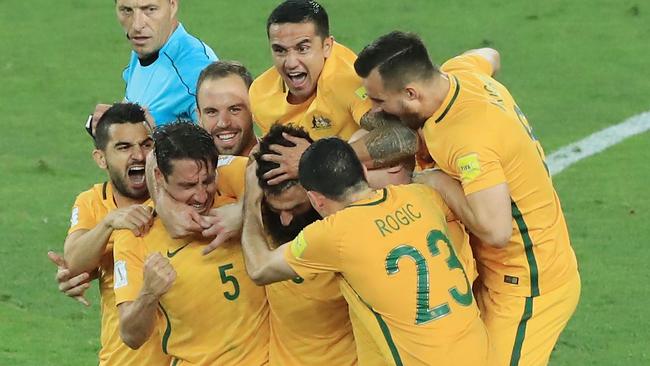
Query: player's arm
<point>490,54</point>
<point>263,265</point>
<point>486,213</point>
<point>83,249</point>
<point>387,143</point>
<point>138,317</point>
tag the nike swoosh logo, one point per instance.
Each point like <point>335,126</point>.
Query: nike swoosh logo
<point>173,253</point>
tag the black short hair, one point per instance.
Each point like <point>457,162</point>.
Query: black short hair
<point>331,167</point>
<point>400,58</point>
<point>183,140</point>
<point>221,69</point>
<point>274,137</point>
<point>118,113</point>
<point>300,11</point>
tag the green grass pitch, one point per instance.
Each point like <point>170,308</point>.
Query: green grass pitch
<point>574,67</point>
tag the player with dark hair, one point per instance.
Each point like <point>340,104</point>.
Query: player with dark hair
<point>121,145</point>
<point>214,313</point>
<point>529,284</point>
<point>387,245</point>
<point>308,316</point>
<point>223,106</point>
<point>312,83</point>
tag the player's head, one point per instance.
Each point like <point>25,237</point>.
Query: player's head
<point>223,106</point>
<point>298,32</point>
<point>399,172</point>
<point>187,159</point>
<point>147,23</point>
<point>394,68</point>
<point>122,142</point>
<point>331,173</point>
<point>288,200</point>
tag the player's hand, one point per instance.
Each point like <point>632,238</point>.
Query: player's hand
<point>287,157</point>
<point>100,109</point>
<point>159,275</point>
<point>137,218</point>
<point>74,287</point>
<point>226,223</point>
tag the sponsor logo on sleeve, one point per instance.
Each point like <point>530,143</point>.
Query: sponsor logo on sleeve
<point>120,275</point>
<point>298,245</point>
<point>469,167</point>
<point>74,218</point>
<point>361,93</point>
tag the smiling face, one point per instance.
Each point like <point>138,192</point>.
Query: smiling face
<point>147,23</point>
<point>124,158</point>
<point>299,55</point>
<point>224,111</point>
<point>191,182</point>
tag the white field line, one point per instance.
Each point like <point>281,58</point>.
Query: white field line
<point>597,142</point>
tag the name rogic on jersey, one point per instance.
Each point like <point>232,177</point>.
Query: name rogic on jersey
<point>214,313</point>
<point>480,137</point>
<point>394,252</point>
<point>335,110</point>
<point>90,208</point>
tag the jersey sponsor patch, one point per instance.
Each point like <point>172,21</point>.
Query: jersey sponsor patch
<point>298,245</point>
<point>225,160</point>
<point>74,218</point>
<point>361,93</point>
<point>469,167</point>
<point>120,274</point>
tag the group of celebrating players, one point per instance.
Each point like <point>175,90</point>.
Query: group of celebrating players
<point>336,210</point>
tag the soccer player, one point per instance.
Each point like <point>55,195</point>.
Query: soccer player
<point>308,316</point>
<point>223,107</point>
<point>165,62</point>
<point>214,313</point>
<point>312,83</point>
<point>121,144</point>
<point>477,134</point>
<point>390,245</point>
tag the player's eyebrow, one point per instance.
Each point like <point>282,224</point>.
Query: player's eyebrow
<point>123,144</point>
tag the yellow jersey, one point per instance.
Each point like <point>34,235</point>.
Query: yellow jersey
<point>214,313</point>
<point>90,208</point>
<point>480,137</point>
<point>309,323</point>
<point>394,251</point>
<point>335,110</point>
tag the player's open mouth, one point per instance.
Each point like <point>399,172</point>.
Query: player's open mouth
<point>227,137</point>
<point>136,176</point>
<point>297,79</point>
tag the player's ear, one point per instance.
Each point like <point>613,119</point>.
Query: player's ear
<point>411,92</point>
<point>365,172</point>
<point>100,158</point>
<point>158,175</point>
<point>328,43</point>
<point>174,7</point>
<point>316,199</point>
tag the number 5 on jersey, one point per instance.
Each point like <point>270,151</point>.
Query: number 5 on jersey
<point>225,278</point>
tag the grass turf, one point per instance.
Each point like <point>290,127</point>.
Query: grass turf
<point>574,67</point>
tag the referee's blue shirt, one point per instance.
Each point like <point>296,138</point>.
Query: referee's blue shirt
<point>168,85</point>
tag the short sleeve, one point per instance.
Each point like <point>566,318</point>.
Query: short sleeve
<point>128,256</point>
<point>315,250</point>
<point>83,216</point>
<point>360,104</point>
<point>473,63</point>
<point>478,166</point>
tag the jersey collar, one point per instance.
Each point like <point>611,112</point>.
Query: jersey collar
<point>450,99</point>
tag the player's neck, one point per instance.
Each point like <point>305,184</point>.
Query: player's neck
<point>437,89</point>
<point>124,201</point>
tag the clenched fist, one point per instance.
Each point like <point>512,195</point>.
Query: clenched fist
<point>159,275</point>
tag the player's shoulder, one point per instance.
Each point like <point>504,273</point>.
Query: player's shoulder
<point>467,63</point>
<point>187,52</point>
<point>338,71</point>
<point>97,192</point>
<point>268,83</point>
